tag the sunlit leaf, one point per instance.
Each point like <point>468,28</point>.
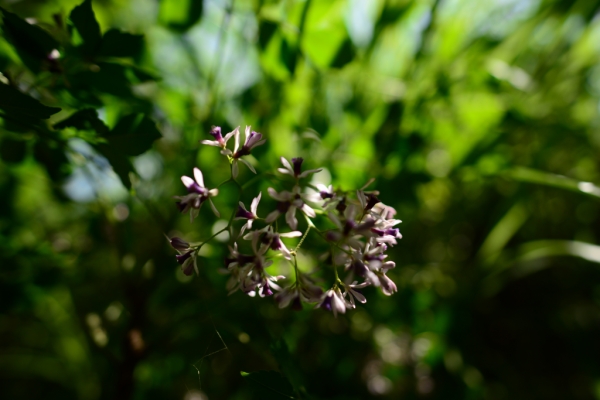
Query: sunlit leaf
<point>180,15</point>
<point>86,119</point>
<point>553,180</point>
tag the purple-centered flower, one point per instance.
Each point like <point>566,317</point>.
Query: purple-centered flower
<point>243,213</point>
<point>220,141</point>
<point>349,231</point>
<point>295,168</point>
<point>367,199</point>
<point>197,195</point>
<point>253,139</point>
<point>188,262</point>
<point>333,300</point>
<point>352,293</point>
<point>266,238</point>
<point>288,203</point>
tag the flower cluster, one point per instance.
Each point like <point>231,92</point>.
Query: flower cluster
<point>354,228</point>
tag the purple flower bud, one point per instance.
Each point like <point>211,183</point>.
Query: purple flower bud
<point>276,243</point>
<point>216,133</point>
<point>359,268</point>
<point>266,290</point>
<point>195,188</point>
<point>297,304</point>
<point>189,269</point>
<point>371,200</point>
<point>326,195</point>
<point>181,258</point>
<point>297,163</point>
<point>242,213</point>
<point>326,303</point>
<point>179,244</point>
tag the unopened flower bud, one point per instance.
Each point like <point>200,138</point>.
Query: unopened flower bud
<point>179,244</point>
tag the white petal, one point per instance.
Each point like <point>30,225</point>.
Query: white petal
<point>214,209</point>
<point>237,140</point>
<point>361,198</point>
<point>211,143</point>
<point>284,171</point>
<point>247,132</point>
<point>308,211</point>
<point>248,164</point>
<point>335,220</point>
<point>234,169</point>
<point>272,216</point>
<point>310,171</point>
<point>243,206</point>
<point>286,253</point>
<point>226,152</point>
<point>230,134</point>
<point>254,205</point>
<point>196,266</point>
<point>213,192</point>
<point>199,177</point>
<point>290,217</point>
<point>287,164</point>
<point>194,213</point>
<point>291,234</point>
<point>283,196</point>
<point>359,296</point>
<point>187,181</point>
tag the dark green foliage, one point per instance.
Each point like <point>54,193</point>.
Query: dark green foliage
<point>22,107</point>
<point>84,21</point>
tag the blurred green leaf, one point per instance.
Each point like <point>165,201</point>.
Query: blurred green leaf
<point>266,30</point>
<point>553,180</point>
<point>32,43</point>
<point>85,22</point>
<point>86,119</point>
<point>21,106</point>
<point>133,134</point>
<point>345,54</point>
<point>180,15</point>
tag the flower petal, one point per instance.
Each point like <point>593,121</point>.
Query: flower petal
<point>199,177</point>
<point>254,204</point>
<point>248,165</point>
<point>287,164</point>
<point>187,181</point>
<point>211,143</point>
<point>291,234</point>
<point>234,169</point>
<point>272,216</point>
<point>214,209</point>
<point>290,217</point>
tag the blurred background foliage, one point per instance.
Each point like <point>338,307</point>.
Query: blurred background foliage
<point>480,121</point>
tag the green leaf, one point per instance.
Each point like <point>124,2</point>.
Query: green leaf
<point>116,43</point>
<point>19,105</point>
<point>86,119</point>
<point>110,78</point>
<point>180,15</point>
<point>84,20</point>
<point>133,134</point>
<point>345,54</point>
<point>266,29</point>
<point>269,384</point>
<point>32,43</point>
<point>553,180</point>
